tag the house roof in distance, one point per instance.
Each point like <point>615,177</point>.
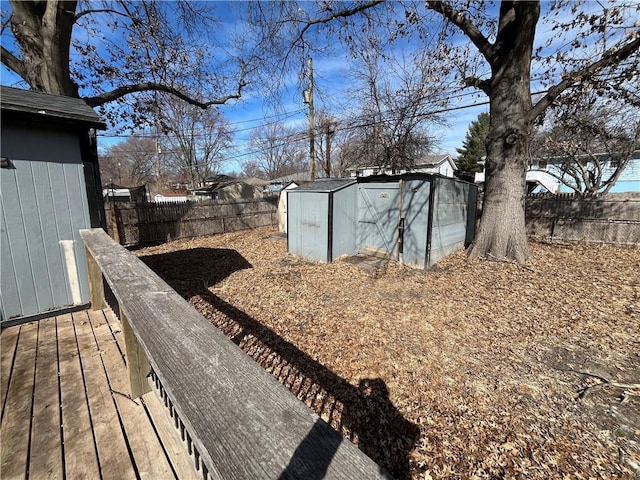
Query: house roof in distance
<point>44,105</point>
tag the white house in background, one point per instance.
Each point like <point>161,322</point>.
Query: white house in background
<point>543,174</point>
<point>441,164</point>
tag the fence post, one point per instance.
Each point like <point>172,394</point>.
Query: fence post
<point>137,362</point>
<point>96,287</point>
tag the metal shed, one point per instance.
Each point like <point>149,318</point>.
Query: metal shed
<point>321,219</point>
<point>415,218</point>
<point>49,190</point>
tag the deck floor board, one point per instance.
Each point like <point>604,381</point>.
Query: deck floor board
<point>16,419</point>
<point>67,413</point>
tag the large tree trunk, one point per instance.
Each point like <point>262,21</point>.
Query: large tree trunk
<point>502,234</point>
<point>43,31</point>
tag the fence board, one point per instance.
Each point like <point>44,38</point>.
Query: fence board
<point>611,218</point>
<point>159,222</point>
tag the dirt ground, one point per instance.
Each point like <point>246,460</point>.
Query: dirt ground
<point>482,370</point>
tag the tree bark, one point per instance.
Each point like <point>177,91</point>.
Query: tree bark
<point>502,233</point>
<point>43,31</point>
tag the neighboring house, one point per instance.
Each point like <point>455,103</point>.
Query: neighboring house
<point>257,182</point>
<point>216,179</point>
<point>543,175</point>
<point>113,193</point>
<point>441,164</point>
<point>229,190</point>
<point>50,189</point>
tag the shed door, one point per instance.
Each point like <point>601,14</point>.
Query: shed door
<point>378,215</point>
<point>43,207</point>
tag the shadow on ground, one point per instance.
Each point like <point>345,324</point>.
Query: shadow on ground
<point>364,414</point>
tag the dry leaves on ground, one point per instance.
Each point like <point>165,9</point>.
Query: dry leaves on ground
<point>481,370</point>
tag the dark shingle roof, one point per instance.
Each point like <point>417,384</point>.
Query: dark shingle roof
<point>49,106</point>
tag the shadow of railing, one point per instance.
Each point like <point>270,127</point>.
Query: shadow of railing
<point>364,414</point>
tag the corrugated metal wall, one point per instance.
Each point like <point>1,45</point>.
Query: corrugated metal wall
<point>308,225</point>
<point>344,221</point>
<point>378,215</point>
<point>449,222</point>
<point>43,207</point>
<point>415,210</point>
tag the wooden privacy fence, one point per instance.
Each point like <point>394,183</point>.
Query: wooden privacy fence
<point>136,224</point>
<point>237,420</point>
<point>613,218</point>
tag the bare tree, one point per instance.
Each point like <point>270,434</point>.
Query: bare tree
<point>588,146</point>
<point>395,104</point>
<point>126,48</point>
<point>496,58</point>
<point>195,141</point>
<point>279,151</point>
<point>129,163</point>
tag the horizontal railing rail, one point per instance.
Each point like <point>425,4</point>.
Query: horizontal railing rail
<point>237,420</point>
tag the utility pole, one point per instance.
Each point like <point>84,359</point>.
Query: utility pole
<point>328,132</point>
<point>312,139</point>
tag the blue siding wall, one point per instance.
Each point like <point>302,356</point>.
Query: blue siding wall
<point>43,207</point>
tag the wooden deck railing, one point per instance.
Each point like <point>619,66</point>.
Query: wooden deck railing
<point>237,420</point>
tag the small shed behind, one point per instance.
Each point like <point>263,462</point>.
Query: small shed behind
<point>320,219</point>
<point>415,218</point>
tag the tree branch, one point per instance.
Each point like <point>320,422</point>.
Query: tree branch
<point>476,82</point>
<point>99,10</point>
<point>463,23</point>
<point>12,62</point>
<point>119,92</point>
<point>339,14</point>
<point>612,56</point>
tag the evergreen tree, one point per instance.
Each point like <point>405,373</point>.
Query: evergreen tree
<point>473,148</point>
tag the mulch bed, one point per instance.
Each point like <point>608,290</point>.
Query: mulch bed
<point>467,370</point>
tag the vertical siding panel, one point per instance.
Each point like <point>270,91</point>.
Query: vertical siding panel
<point>46,220</point>
<point>52,168</point>
<point>63,215</point>
<point>18,240</point>
<point>10,298</point>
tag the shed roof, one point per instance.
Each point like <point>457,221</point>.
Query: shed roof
<point>326,185</point>
<point>49,106</point>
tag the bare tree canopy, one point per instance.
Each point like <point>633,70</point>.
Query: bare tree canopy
<point>587,145</point>
<point>104,51</point>
<point>279,151</point>
<point>130,163</point>
<point>194,142</point>
<point>493,49</point>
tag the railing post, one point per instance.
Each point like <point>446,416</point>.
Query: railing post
<point>96,287</point>
<point>137,362</point>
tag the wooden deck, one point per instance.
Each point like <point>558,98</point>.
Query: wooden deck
<point>66,412</point>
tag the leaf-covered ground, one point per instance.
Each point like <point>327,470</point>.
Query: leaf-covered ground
<point>482,370</point>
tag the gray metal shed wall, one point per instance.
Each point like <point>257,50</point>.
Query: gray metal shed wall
<point>345,211</point>
<point>449,223</point>
<point>415,210</point>
<point>378,215</point>
<point>43,203</point>
<point>308,225</point>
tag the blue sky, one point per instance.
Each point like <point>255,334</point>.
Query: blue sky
<point>333,82</point>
